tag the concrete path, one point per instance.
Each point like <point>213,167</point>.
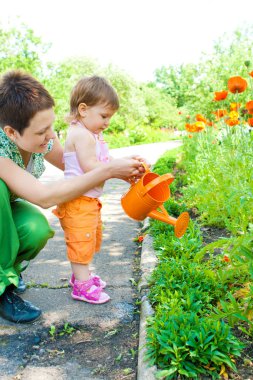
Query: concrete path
<point>48,276</point>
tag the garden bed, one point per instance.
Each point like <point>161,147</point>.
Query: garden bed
<point>201,328</point>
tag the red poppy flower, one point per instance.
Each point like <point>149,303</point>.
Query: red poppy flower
<point>226,259</point>
<point>140,238</point>
<point>251,74</point>
<point>249,106</point>
<point>189,127</point>
<point>237,84</point>
<point>220,113</point>
<point>232,122</point>
<point>198,126</point>
<point>220,95</point>
<point>200,117</point>
<point>250,122</point>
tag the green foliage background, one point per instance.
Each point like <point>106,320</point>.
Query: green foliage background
<point>148,110</point>
<point>144,108</point>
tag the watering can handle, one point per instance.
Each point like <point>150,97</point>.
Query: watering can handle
<point>166,177</point>
<point>146,167</point>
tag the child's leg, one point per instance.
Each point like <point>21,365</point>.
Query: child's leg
<point>79,219</point>
<point>98,240</point>
<point>80,271</point>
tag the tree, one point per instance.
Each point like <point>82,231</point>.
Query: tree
<point>193,86</point>
<point>162,109</point>
<point>21,49</point>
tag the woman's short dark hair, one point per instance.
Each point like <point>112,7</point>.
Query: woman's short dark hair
<point>21,97</point>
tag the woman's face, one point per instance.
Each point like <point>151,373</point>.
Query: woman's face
<point>36,136</point>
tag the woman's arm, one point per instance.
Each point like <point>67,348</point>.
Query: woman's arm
<point>24,185</point>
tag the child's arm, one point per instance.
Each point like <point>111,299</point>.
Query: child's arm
<point>85,147</point>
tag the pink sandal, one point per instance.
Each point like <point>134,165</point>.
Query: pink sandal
<point>88,292</point>
<point>97,280</point>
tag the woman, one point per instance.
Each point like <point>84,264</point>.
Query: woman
<point>26,139</point>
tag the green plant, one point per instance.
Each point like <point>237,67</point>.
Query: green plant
<point>185,284</point>
<point>52,331</point>
<point>190,346</point>
<point>67,330</point>
<point>167,245</point>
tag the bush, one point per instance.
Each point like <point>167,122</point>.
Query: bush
<point>189,346</point>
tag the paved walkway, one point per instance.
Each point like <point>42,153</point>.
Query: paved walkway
<point>51,271</point>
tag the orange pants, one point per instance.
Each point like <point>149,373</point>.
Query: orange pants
<point>81,222</point>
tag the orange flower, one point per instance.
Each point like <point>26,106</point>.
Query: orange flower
<point>200,117</point>
<point>140,238</point>
<point>251,74</point>
<point>226,259</point>
<point>220,113</point>
<point>199,126</point>
<point>190,136</point>
<point>232,122</point>
<point>249,106</point>
<point>220,95</point>
<point>189,127</point>
<point>237,84</point>
<point>250,122</point>
<point>234,106</point>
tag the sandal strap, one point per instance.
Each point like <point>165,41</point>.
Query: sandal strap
<point>94,295</point>
<point>84,285</point>
<point>96,280</point>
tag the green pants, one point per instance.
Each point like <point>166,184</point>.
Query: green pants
<point>24,231</point>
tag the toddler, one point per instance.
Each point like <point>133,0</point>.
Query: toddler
<point>93,102</point>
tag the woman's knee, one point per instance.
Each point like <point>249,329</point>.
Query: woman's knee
<point>39,229</point>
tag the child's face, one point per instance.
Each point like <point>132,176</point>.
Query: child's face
<point>97,118</point>
<point>36,136</point>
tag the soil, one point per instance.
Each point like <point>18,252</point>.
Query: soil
<point>107,354</point>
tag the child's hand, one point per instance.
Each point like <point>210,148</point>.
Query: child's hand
<point>125,168</point>
<point>145,164</point>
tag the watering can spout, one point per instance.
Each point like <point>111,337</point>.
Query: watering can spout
<point>180,224</point>
<point>166,218</point>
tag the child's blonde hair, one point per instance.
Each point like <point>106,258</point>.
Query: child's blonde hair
<point>92,91</point>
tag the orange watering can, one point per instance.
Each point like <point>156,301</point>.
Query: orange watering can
<point>147,195</point>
